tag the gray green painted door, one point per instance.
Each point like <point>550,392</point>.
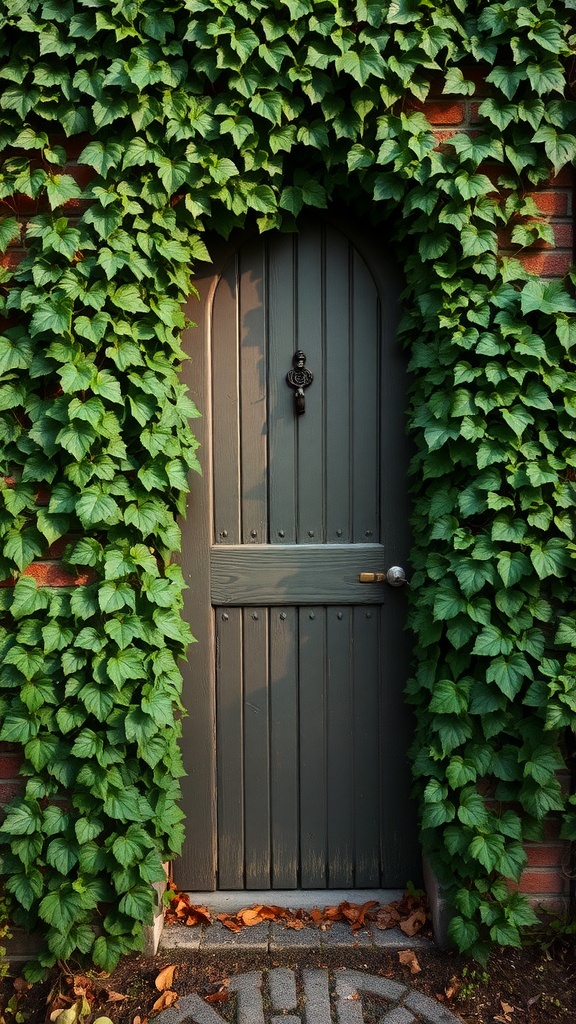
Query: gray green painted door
<point>296,739</point>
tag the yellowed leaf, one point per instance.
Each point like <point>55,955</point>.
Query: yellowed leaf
<point>68,1016</point>
<point>166,999</point>
<point>165,978</point>
<point>409,959</point>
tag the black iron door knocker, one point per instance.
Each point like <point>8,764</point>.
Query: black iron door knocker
<point>299,378</point>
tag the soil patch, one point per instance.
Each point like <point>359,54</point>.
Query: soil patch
<point>534,985</point>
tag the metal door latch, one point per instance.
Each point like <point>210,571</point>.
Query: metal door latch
<point>395,576</point>
<point>299,377</point>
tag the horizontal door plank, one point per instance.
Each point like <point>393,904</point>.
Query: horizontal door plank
<point>295,574</point>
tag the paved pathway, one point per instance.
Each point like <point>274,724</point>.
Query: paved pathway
<point>274,936</point>
<point>312,996</point>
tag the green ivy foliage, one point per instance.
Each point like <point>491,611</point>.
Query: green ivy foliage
<point>191,116</point>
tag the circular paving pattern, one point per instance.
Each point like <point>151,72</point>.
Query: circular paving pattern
<point>284,996</point>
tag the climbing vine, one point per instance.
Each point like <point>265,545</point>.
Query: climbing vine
<point>129,130</point>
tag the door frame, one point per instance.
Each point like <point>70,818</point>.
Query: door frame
<point>199,727</point>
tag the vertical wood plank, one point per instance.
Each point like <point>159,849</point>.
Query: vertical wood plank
<point>311,426</point>
<point>282,421</point>
<point>366,739</point>
<point>256,749</point>
<point>339,715</point>
<point>313,808</point>
<point>337,380</point>
<point>365,399</point>
<point>197,866</point>
<point>229,738</point>
<point>225,404</point>
<point>284,747</point>
<point>253,379</point>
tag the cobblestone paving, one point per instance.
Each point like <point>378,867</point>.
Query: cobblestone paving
<point>315,996</point>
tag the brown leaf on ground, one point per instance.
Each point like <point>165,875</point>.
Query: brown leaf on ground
<point>229,922</point>
<point>256,914</point>
<point>165,978</point>
<point>409,959</point>
<point>115,997</point>
<point>166,999</point>
<point>82,986</point>
<point>507,1012</point>
<point>217,997</point>
<point>453,987</point>
<point>387,917</point>
<point>413,924</point>
<point>182,911</point>
<point>410,913</point>
<point>357,913</point>
<point>21,985</point>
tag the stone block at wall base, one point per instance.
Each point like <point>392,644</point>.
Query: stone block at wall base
<point>441,911</point>
<point>153,932</point>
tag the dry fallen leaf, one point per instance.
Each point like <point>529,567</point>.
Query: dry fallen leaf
<point>409,959</point>
<point>414,923</point>
<point>218,997</point>
<point>507,1012</point>
<point>453,987</point>
<point>166,999</point>
<point>21,985</point>
<point>165,978</point>
<point>115,997</point>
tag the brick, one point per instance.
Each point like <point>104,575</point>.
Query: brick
<point>552,203</point>
<point>9,766</point>
<point>82,174</point>
<point>564,177</point>
<point>444,134</point>
<point>545,881</point>
<point>53,574</point>
<point>8,790</point>
<point>547,264</point>
<point>442,111</point>
<point>563,237</point>
<point>546,854</point>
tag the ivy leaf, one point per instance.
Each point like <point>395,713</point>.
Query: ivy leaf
<point>53,315</point>
<point>551,558</point>
<point>267,105</point>
<point>361,64</point>
<point>102,156</point>
<point>127,664</point>
<point>61,188</point>
<point>127,297</point>
<point>9,231</point>
<point>94,506</point>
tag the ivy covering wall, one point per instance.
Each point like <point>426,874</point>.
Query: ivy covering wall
<point>130,129</point>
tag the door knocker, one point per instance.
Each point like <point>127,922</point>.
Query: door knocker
<point>299,378</point>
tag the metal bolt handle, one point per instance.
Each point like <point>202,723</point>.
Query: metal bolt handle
<point>395,576</point>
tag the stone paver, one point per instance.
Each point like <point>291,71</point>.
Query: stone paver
<point>217,936</point>
<point>261,995</point>
<point>316,997</point>
<point>282,937</point>
<point>399,1015</point>
<point>282,986</point>
<point>276,936</point>
<point>339,934</point>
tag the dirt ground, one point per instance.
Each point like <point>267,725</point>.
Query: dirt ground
<point>535,985</point>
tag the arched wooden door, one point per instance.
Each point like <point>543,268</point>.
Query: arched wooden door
<point>296,740</point>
